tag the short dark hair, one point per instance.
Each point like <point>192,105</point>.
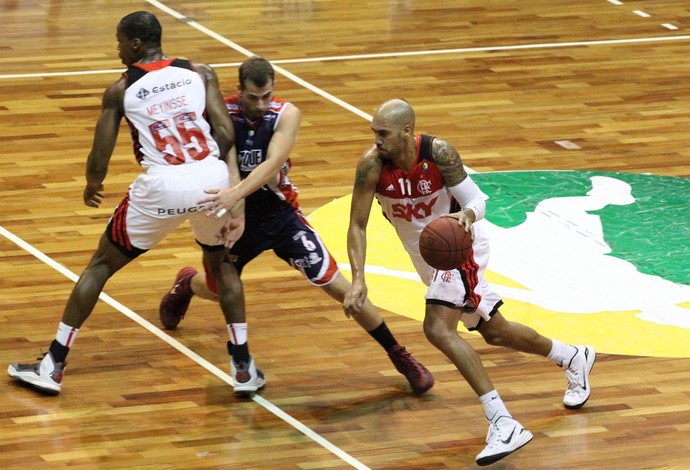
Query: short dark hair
<point>257,70</point>
<point>144,26</point>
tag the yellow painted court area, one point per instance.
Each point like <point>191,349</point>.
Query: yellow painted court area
<point>610,332</point>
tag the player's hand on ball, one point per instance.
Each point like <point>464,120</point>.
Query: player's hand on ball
<point>464,218</point>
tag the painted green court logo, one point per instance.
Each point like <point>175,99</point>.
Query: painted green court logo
<point>599,258</point>
<point>645,219</point>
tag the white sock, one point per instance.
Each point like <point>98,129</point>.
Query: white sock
<point>66,335</point>
<point>494,407</point>
<point>237,332</point>
<point>561,354</point>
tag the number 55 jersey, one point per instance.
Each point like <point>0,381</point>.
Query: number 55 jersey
<point>164,105</point>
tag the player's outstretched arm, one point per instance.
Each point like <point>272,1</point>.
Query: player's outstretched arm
<point>366,178</point>
<point>282,142</point>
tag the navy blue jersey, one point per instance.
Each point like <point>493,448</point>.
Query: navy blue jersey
<point>252,138</point>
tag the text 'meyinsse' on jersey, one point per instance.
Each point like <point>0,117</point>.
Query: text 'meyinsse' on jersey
<point>165,108</point>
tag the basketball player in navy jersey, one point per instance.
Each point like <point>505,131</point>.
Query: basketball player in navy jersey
<point>266,130</point>
<point>407,170</point>
<point>182,135</point>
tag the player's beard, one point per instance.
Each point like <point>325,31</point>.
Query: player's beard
<point>255,115</point>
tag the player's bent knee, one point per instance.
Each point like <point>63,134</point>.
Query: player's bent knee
<point>437,332</point>
<point>493,337</point>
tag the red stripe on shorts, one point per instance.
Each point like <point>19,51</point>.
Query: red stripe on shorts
<point>119,232</point>
<point>470,270</point>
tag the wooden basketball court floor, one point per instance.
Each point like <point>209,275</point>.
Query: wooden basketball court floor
<point>501,80</point>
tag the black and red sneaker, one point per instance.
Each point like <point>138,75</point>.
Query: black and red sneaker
<point>419,376</point>
<point>175,303</point>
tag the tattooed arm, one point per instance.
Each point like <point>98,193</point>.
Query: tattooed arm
<point>366,178</point>
<point>448,161</point>
<point>461,186</point>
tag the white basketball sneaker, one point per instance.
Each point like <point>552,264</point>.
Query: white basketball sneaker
<point>505,436</point>
<point>45,376</point>
<point>578,391</point>
<point>246,377</point>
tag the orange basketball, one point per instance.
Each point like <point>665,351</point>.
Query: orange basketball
<point>444,244</point>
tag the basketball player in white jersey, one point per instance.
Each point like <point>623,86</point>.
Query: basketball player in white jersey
<point>266,130</point>
<point>417,178</point>
<point>182,135</point>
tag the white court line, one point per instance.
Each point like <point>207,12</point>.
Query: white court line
<point>248,53</point>
<point>463,50</point>
<point>185,350</point>
<point>383,271</point>
<point>257,398</point>
<point>176,344</point>
<point>299,426</point>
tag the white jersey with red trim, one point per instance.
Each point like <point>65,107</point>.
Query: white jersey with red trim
<point>165,105</point>
<point>410,200</point>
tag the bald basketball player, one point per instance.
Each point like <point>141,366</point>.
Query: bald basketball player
<point>417,178</point>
